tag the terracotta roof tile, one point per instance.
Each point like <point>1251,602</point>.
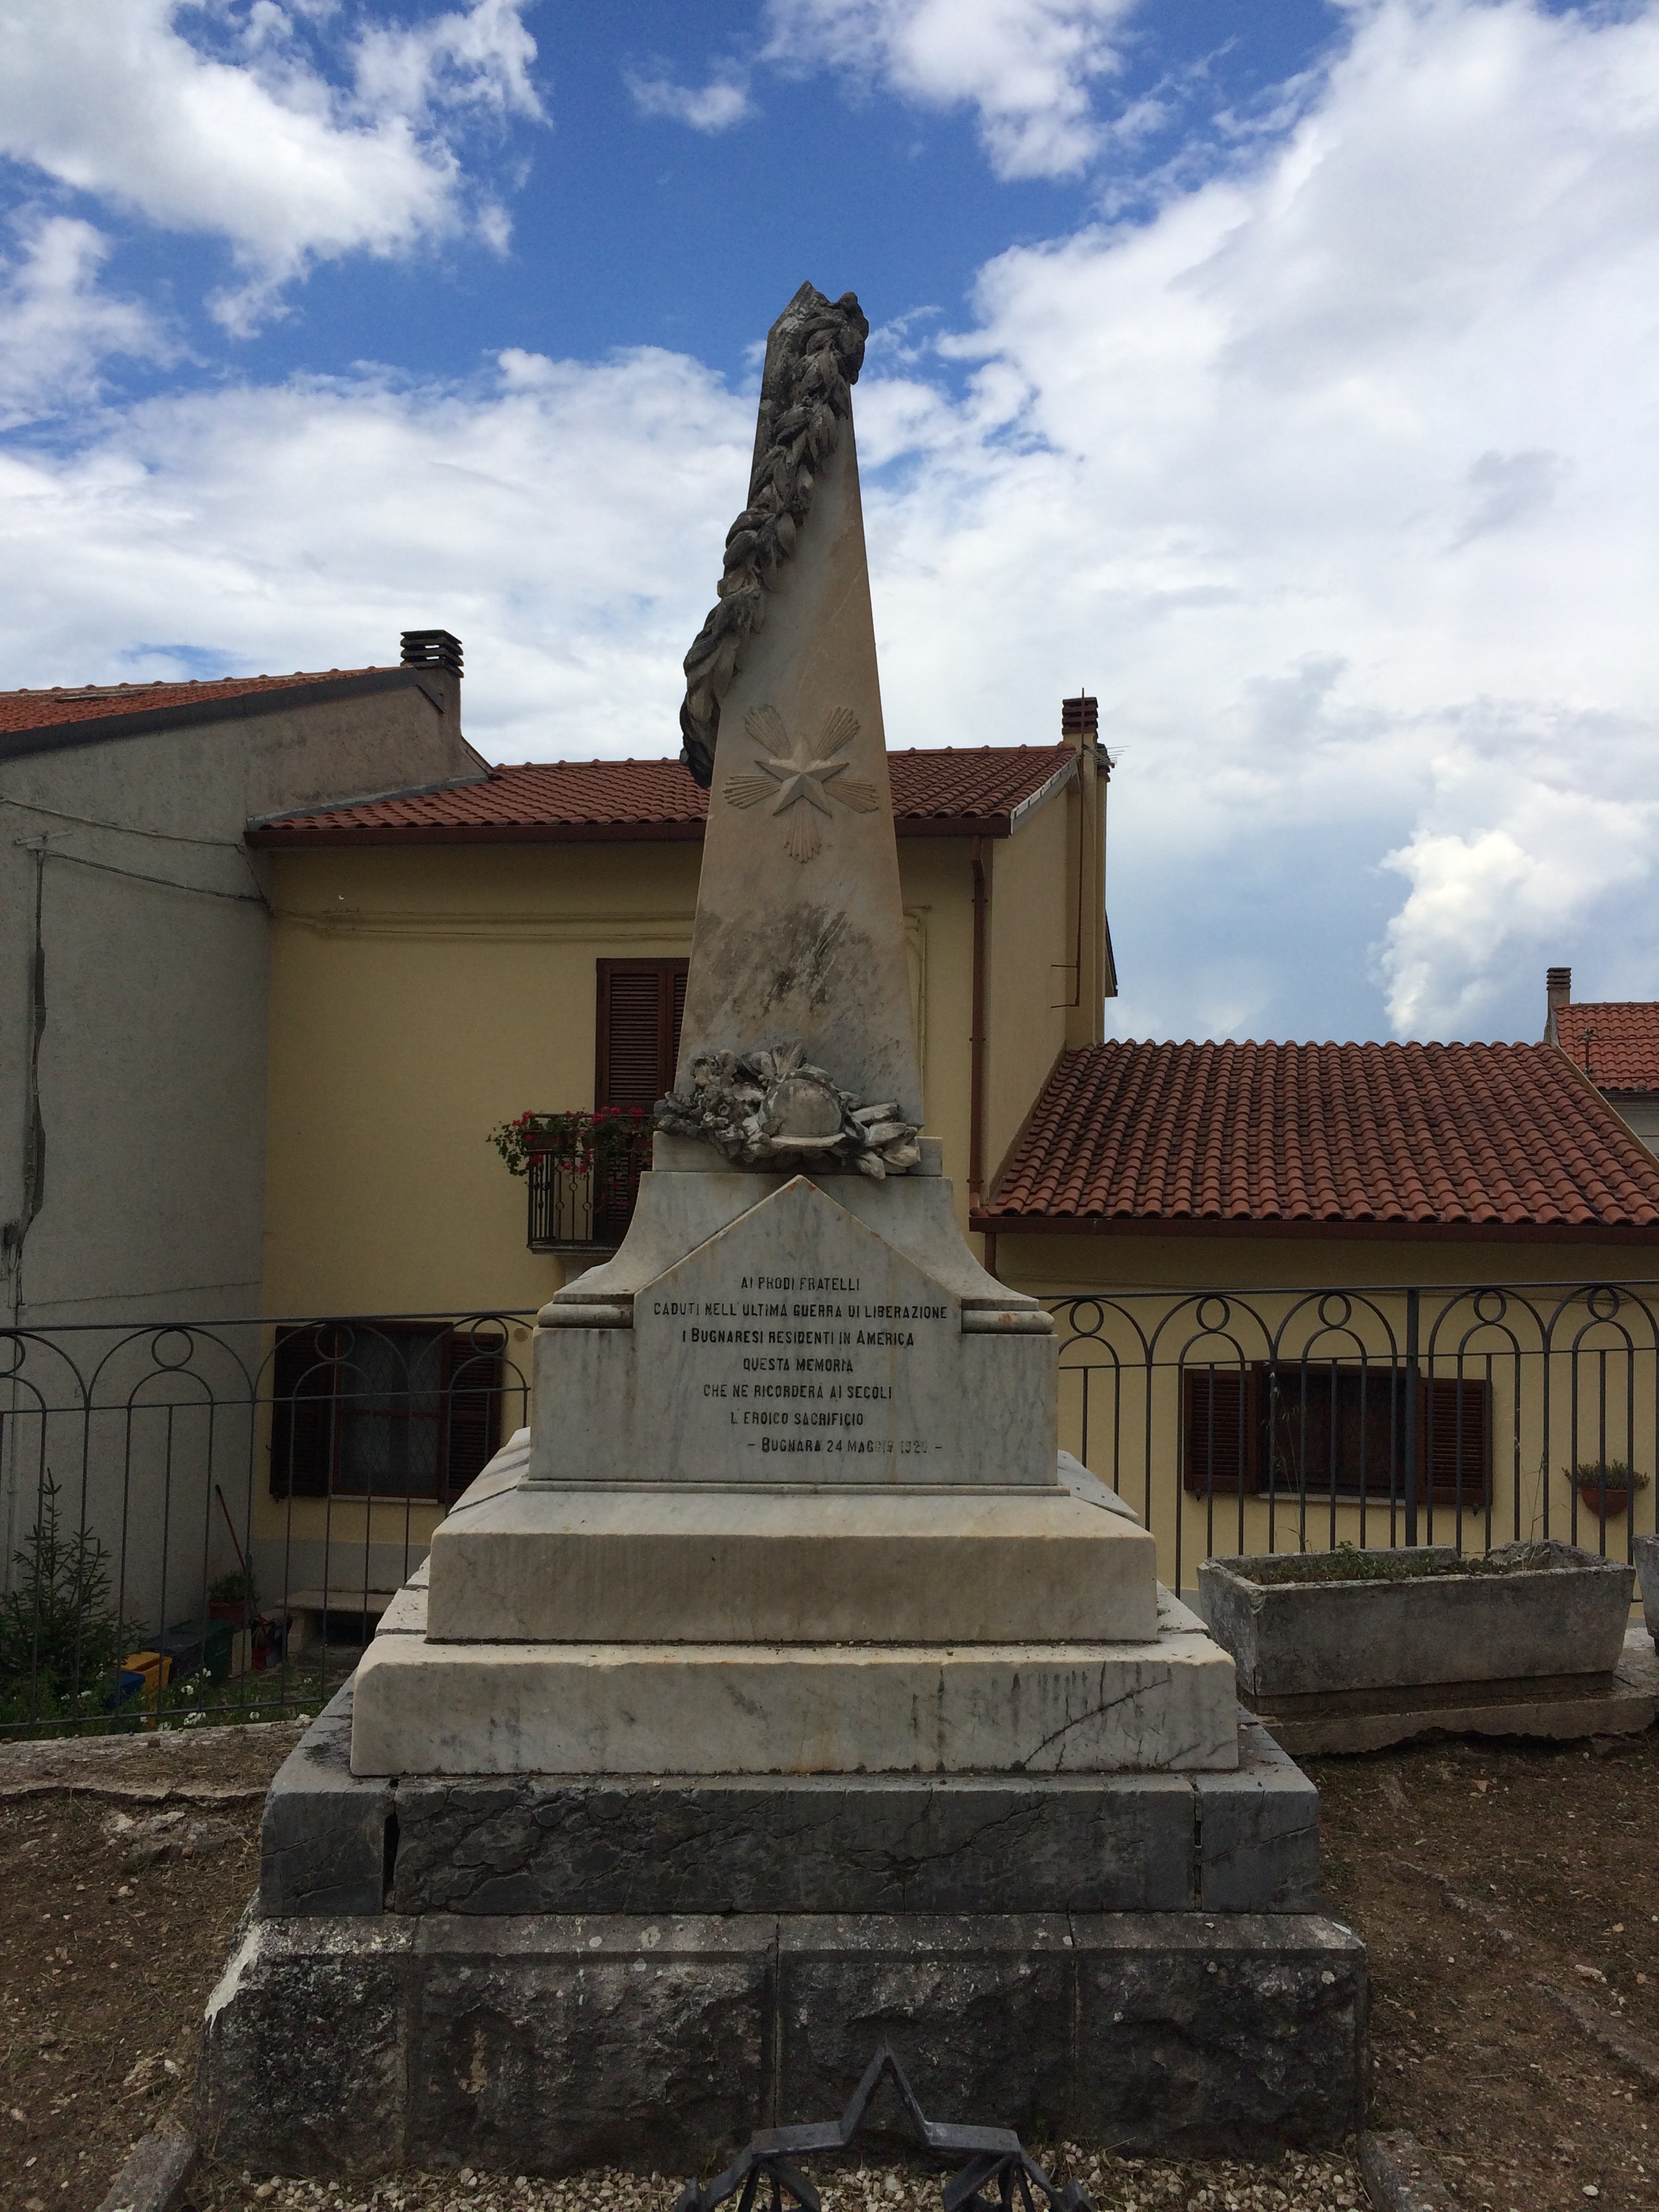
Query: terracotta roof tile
<point>44,710</point>
<point>544,800</point>
<point>1472,1135</point>
<point>1622,1052</point>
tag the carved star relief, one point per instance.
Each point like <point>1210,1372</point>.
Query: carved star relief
<point>801,769</point>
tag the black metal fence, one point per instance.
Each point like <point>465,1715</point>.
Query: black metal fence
<point>206,1519</point>
<point>1300,1420</point>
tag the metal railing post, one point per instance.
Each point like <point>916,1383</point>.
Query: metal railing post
<point>1413,1300</point>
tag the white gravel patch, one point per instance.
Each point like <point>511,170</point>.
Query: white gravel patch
<point>1316,2182</point>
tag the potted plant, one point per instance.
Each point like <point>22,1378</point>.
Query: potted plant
<point>1604,1486</point>
<point>609,1139</point>
<point>233,1597</point>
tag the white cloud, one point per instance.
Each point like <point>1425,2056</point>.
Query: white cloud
<point>1026,67</point>
<point>1380,408</point>
<point>1538,827</point>
<point>712,107</point>
<point>262,149</point>
<point>55,325</point>
<point>478,56</point>
<point>564,520</point>
<point>1335,480</point>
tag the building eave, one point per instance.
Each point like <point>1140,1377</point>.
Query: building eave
<point>196,713</point>
<point>1001,1225</point>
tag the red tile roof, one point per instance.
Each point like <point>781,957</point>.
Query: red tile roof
<point>1474,1137</point>
<point>1622,1052</point>
<point>42,710</point>
<point>938,792</point>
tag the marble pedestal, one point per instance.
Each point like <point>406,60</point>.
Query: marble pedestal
<point>657,1803</point>
<point>528,1973</point>
<point>792,1504</point>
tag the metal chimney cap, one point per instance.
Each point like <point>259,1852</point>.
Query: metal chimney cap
<point>432,648</point>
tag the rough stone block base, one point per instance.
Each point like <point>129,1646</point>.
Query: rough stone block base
<point>1246,1841</point>
<point>548,2041</point>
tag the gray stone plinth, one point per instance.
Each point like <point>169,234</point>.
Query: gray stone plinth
<point>1242,1841</point>
<point>540,2044</point>
<point>324,1838</point>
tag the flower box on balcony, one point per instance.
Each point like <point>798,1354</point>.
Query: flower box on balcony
<point>583,1171</point>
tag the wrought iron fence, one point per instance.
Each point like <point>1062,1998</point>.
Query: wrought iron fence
<point>1300,1420</point>
<point>584,1204</point>
<point>205,1520</point>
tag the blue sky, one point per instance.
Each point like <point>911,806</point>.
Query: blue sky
<point>1283,372</point>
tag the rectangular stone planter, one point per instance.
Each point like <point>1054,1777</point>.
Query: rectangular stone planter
<point>1522,1612</point>
<point>1647,1566</point>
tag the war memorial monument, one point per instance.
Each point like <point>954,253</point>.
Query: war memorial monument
<point>785,1689</point>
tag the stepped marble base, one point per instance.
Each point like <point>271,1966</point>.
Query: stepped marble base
<point>1165,1705</point>
<point>542,2044</point>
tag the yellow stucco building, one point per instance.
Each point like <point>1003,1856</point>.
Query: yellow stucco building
<point>443,961</point>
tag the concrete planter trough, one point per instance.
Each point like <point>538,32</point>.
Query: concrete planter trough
<point>1321,1624</point>
<point>1647,1566</point>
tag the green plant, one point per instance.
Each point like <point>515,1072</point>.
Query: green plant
<point>60,1635</point>
<point>610,1137</point>
<point>1598,1474</point>
<point>235,1588</point>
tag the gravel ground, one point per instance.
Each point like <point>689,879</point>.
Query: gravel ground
<point>1294,2184</point>
<point>1482,1877</point>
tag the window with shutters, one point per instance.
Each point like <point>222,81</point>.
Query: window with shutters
<point>389,1409</point>
<point>1333,1429</point>
<point>641,1005</point>
<point>1221,1440</point>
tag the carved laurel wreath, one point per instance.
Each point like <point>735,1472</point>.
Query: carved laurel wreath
<point>813,356</point>
<point>770,1108</point>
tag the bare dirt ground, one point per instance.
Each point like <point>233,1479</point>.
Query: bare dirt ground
<point>1473,1872</point>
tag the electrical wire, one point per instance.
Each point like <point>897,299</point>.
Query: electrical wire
<point>167,883</point>
<point>124,829</point>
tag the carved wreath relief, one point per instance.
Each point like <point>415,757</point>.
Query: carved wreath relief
<point>775,1109</point>
<point>801,769</point>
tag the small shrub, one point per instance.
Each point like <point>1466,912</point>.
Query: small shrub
<point>60,1635</point>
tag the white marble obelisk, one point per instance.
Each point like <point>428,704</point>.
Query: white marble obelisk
<point>793,1500</point>
<point>800,926</point>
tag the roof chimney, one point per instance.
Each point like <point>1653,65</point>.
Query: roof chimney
<point>432,648</point>
<point>1557,993</point>
<point>1080,719</point>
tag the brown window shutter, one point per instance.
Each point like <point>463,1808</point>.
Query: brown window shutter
<point>676,1021</point>
<point>1455,1451</point>
<point>641,1004</point>
<point>1221,1420</point>
<point>304,1386</point>
<point>472,1406</point>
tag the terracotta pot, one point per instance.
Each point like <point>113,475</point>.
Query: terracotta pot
<point>233,1609</point>
<point>1615,1501</point>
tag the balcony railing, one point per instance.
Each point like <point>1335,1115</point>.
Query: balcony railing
<point>582,1201</point>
